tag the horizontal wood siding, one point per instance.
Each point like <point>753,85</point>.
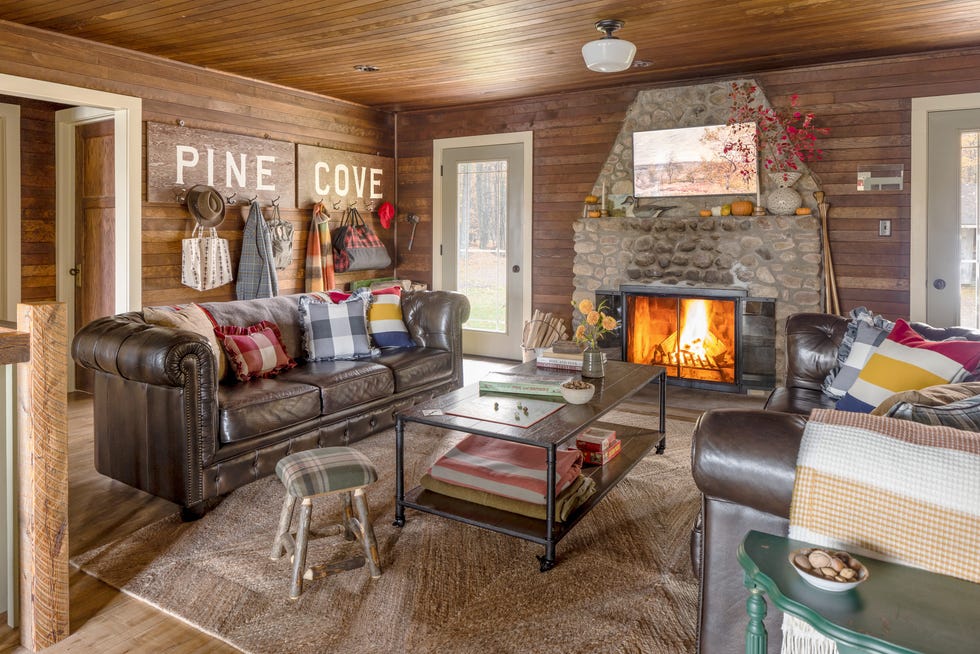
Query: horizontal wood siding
<point>866,105</point>
<point>170,92</point>
<point>37,184</point>
<point>572,137</point>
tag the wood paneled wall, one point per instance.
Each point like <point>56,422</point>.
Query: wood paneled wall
<point>572,137</point>
<point>866,105</point>
<point>170,92</point>
<point>37,197</point>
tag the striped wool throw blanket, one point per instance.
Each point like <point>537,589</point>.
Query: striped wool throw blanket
<point>893,489</point>
<point>513,470</point>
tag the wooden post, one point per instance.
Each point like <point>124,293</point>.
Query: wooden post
<point>42,415</point>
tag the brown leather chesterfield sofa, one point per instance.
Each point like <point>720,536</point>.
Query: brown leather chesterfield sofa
<point>744,463</point>
<point>165,425</point>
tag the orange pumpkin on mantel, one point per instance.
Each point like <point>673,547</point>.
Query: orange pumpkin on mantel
<point>742,208</point>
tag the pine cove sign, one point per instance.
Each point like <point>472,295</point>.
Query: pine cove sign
<point>340,178</point>
<point>243,166</point>
<point>298,175</point>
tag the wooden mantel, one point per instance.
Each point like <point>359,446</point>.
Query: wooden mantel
<point>15,346</point>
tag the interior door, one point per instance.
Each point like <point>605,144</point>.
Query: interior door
<point>952,271</point>
<point>95,217</point>
<point>482,251</point>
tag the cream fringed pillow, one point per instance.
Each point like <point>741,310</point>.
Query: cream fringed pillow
<point>191,318</point>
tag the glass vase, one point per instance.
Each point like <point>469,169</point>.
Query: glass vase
<point>592,364</point>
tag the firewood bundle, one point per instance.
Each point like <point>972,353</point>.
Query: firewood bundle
<point>542,330</point>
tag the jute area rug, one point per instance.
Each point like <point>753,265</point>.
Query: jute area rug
<point>623,582</point>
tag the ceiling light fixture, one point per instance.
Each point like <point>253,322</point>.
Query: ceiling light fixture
<point>608,54</point>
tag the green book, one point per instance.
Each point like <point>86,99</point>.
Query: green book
<point>523,384</point>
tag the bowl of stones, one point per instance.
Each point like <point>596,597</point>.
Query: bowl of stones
<point>828,569</point>
<point>577,391</point>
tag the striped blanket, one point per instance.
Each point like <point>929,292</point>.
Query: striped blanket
<point>894,489</point>
<point>504,468</point>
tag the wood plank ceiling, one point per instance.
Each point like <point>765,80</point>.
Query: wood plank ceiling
<point>438,53</point>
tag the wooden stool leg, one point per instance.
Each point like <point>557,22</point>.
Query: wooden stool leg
<point>285,519</point>
<point>302,538</point>
<point>348,513</point>
<point>367,534</point>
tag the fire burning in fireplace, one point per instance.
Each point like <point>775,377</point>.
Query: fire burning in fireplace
<point>693,338</point>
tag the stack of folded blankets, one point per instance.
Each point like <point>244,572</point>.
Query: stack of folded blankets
<point>510,476</point>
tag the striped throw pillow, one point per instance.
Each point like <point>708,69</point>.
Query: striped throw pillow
<point>385,321</point>
<point>907,361</point>
<point>254,351</point>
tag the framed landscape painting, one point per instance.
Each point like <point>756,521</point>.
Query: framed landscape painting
<point>709,160</point>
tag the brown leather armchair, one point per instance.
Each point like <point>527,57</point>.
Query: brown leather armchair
<point>744,463</point>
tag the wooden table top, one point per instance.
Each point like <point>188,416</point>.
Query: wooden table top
<point>621,380</point>
<point>15,346</point>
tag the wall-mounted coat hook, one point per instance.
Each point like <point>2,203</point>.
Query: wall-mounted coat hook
<point>180,195</point>
<point>230,199</point>
<point>252,199</point>
<point>275,202</point>
<point>369,207</point>
<point>336,205</point>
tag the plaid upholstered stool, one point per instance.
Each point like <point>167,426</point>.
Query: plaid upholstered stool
<point>317,472</point>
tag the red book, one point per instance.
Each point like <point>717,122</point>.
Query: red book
<point>601,458</point>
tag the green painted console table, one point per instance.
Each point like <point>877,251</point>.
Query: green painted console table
<point>898,610</point>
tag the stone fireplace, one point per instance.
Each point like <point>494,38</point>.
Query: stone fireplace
<point>665,247</point>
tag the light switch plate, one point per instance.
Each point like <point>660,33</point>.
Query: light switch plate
<point>884,228</point>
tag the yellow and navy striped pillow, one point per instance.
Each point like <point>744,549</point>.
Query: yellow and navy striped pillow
<point>907,361</point>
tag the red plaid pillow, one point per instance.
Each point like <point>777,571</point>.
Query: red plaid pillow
<point>254,351</point>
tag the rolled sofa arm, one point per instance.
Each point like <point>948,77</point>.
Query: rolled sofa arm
<point>436,318</point>
<point>812,341</point>
<point>748,457</point>
<point>126,346</point>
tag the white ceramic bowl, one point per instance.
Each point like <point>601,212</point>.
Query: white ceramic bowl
<point>577,395</point>
<point>824,583</point>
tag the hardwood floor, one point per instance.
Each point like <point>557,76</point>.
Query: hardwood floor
<point>105,621</point>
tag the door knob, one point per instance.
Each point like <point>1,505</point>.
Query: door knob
<point>76,272</point>
<point>939,284</point>
<point>516,268</point>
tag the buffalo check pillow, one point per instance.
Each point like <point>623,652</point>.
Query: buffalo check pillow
<point>334,331</point>
<point>905,361</point>
<point>254,351</point>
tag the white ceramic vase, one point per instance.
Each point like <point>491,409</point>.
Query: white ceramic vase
<point>784,201</point>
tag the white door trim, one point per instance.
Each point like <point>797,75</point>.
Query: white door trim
<point>919,228</point>
<point>527,140</point>
<point>65,122</point>
<point>128,114</point>
<point>10,272</point>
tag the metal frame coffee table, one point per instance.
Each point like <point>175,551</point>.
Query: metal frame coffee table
<point>621,381</point>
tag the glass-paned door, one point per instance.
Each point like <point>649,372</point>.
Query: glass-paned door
<point>969,185</point>
<point>482,199</point>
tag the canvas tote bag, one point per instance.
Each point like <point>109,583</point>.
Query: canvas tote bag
<point>357,247</point>
<point>281,232</point>
<point>205,262</point>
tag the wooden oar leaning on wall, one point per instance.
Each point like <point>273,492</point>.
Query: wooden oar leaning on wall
<point>831,301</point>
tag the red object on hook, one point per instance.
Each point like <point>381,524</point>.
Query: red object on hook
<point>386,212</point>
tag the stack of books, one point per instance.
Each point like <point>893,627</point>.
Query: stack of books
<point>600,446</point>
<point>561,360</point>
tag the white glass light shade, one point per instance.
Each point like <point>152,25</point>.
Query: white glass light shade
<point>608,55</point>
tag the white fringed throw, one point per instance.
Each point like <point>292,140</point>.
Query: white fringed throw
<point>893,489</point>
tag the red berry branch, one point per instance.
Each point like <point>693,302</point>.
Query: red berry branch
<point>783,139</point>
